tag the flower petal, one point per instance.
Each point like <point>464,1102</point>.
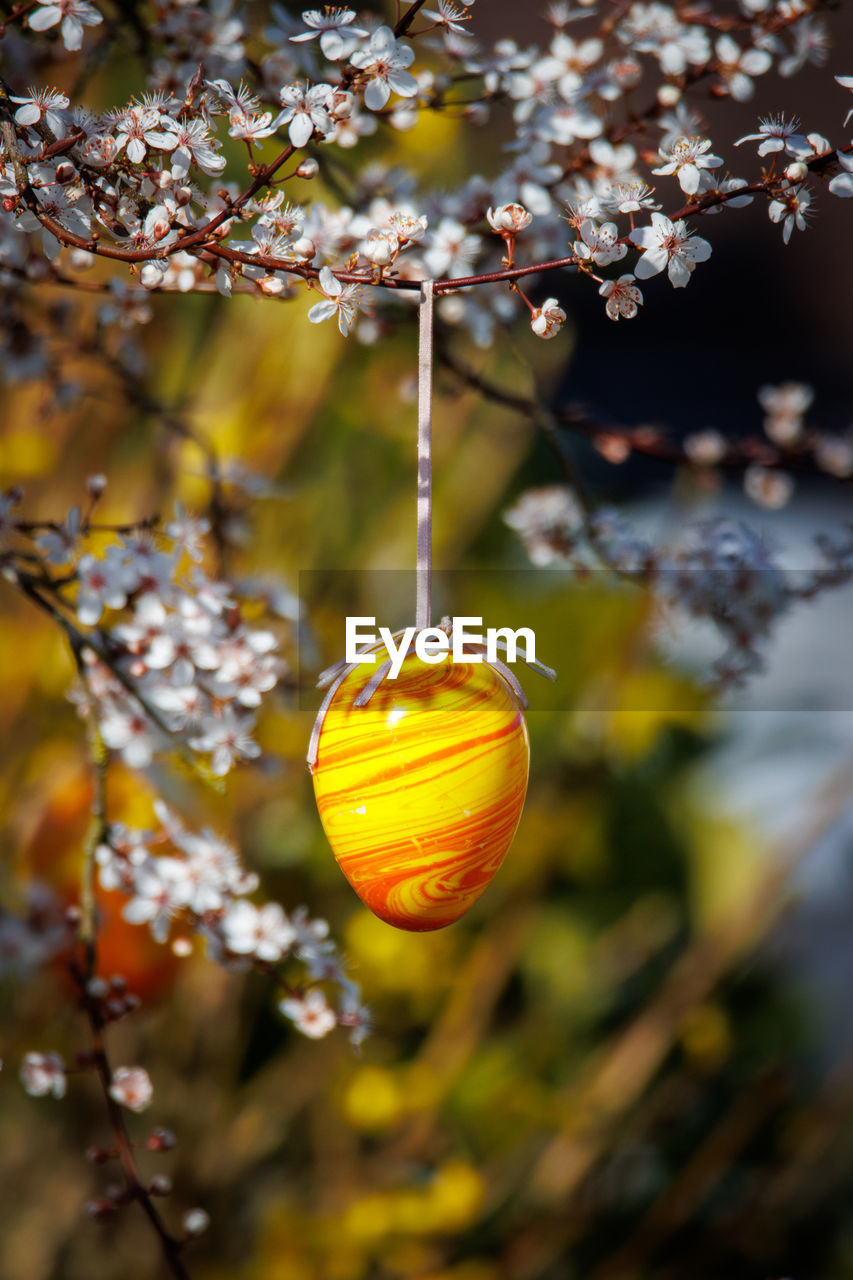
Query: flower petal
<point>46,17</point>
<point>301,128</point>
<point>376,94</point>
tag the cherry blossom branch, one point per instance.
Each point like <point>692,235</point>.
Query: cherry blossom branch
<point>649,441</point>
<point>768,185</point>
<point>34,588</point>
<point>87,928</point>
<point>408,18</point>
<point>692,76</point>
<point>135,1189</point>
<point>17,12</point>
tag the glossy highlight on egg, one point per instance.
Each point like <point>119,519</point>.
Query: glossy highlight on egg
<point>420,792</point>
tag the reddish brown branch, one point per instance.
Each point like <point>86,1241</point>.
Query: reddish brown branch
<point>135,1189</point>
<point>649,441</point>
<point>408,18</point>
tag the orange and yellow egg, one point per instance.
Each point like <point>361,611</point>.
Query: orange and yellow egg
<point>420,792</point>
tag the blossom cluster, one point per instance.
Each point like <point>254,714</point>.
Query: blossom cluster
<point>202,885</point>
<point>166,655</point>
<point>719,571</point>
<point>149,182</point>
<point>166,660</point>
<point>768,462</point>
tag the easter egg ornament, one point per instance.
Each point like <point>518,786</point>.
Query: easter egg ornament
<point>420,779</point>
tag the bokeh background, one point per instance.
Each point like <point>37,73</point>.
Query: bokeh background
<point>633,1059</point>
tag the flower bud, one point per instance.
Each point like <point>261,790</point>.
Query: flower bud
<point>196,1221</point>
<point>100,1155</point>
<point>768,488</point>
<point>81,259</point>
<point>669,95</point>
<point>705,448</point>
<point>797,171</point>
<point>303,248</point>
<point>65,172</point>
<point>99,1208</point>
<point>161,1140</point>
<point>476,113</point>
<point>309,168</point>
<point>547,321</point>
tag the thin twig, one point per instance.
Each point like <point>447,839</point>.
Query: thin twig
<point>135,1188</point>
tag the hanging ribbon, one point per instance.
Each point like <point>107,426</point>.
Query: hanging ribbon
<point>424,570</point>
<point>334,676</point>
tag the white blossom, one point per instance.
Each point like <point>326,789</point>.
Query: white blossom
<point>311,1014</point>
<point>629,196</point>
<point>791,209</point>
<point>409,228</point>
<point>47,104</point>
<point>654,28</point>
<point>59,545</point>
<point>669,245</point>
<point>188,532</point>
<point>102,584</point>
<point>737,66</point>
<point>548,521</point>
<point>547,321</point>
<point>43,1074</point>
<point>140,128</point>
<point>776,133</point>
<point>705,448</point>
<point>842,183</point>
<point>450,249</point>
<point>131,1087</point>
<point>846,82</point>
<point>194,146</point>
<point>686,158</point>
<point>380,247</point>
<point>252,127</point>
<point>333,26</point>
<point>384,60</point>
<point>509,219</point>
<point>74,15</point>
<point>811,44</point>
<point>264,931</point>
<point>306,111</point>
<point>159,892</point>
<point>599,244</point>
<point>785,406</point>
<point>623,296</point>
<point>196,1222</point>
<point>768,487</point>
<point>340,300</point>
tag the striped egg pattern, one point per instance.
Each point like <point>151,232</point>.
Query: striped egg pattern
<point>420,792</point>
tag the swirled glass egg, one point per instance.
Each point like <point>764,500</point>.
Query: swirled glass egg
<point>420,791</point>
